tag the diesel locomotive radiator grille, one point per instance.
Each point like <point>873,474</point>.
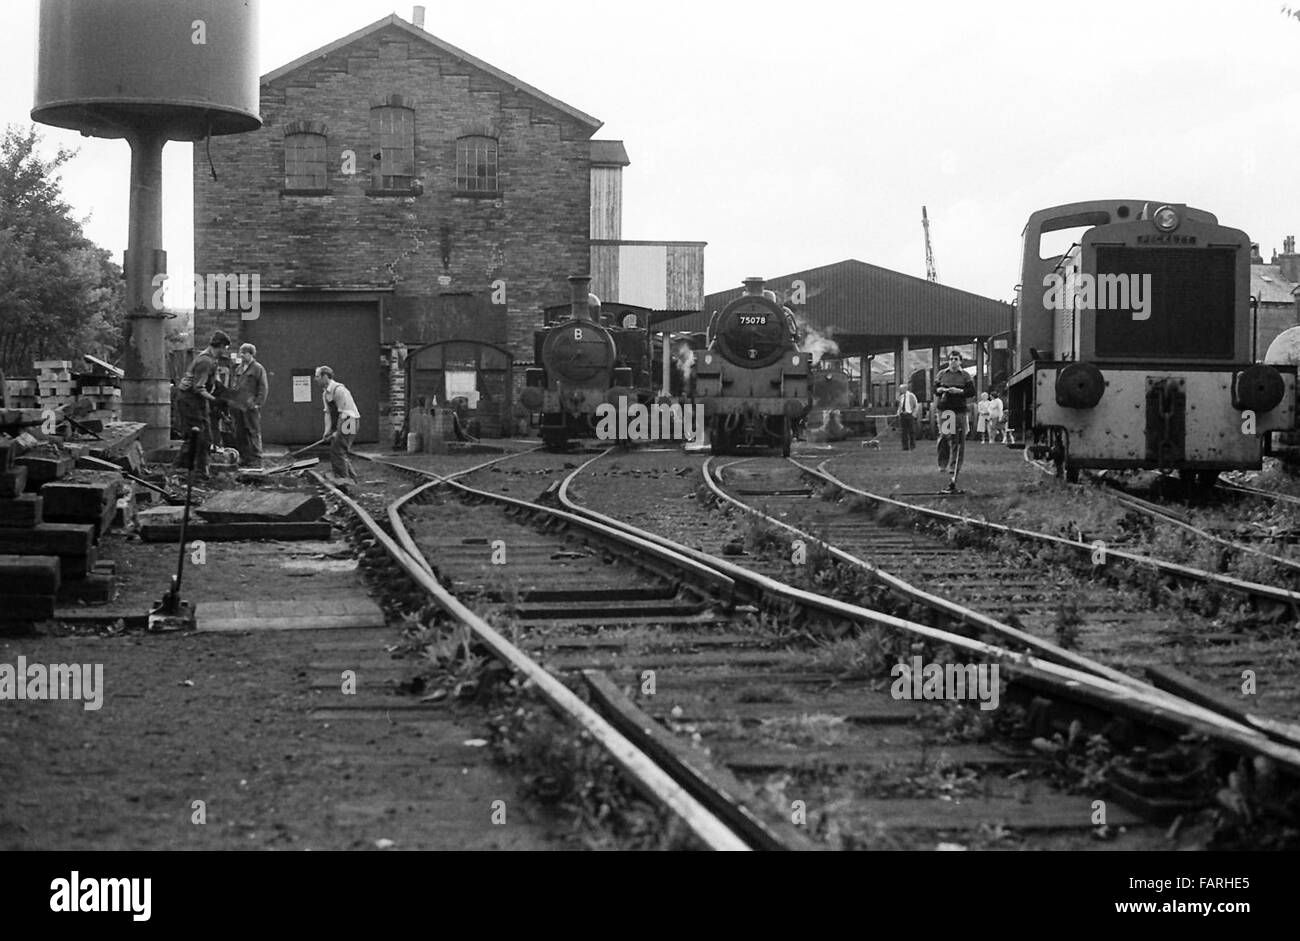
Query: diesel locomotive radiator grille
<point>1190,313</point>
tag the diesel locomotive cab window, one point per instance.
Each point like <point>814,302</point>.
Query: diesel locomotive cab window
<point>304,162</point>
<point>1188,303</point>
<point>392,129</point>
<point>476,165</point>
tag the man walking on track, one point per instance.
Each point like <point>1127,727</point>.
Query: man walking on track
<point>194,399</point>
<point>907,405</point>
<point>341,421</point>
<point>952,387</point>
<point>250,395</point>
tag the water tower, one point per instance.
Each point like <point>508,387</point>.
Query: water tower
<point>148,71</point>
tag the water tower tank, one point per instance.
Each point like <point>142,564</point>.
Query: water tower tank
<point>110,67</point>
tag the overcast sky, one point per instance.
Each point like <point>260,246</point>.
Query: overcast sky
<point>790,135</point>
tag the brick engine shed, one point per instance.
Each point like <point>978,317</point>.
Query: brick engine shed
<point>400,193</point>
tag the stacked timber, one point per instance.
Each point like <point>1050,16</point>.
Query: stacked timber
<point>29,585</point>
<point>103,387</point>
<point>46,520</point>
<point>55,383</point>
<point>22,393</point>
<point>29,581</point>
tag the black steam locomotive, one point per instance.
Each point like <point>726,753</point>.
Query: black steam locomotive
<point>752,378</point>
<point>585,362</point>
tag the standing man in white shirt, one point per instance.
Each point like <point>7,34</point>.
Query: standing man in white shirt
<point>906,413</point>
<point>342,420</point>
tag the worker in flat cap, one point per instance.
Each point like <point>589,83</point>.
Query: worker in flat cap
<point>249,386</point>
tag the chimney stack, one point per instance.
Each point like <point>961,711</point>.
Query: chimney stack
<point>417,18</point>
<point>1289,261</point>
<point>579,305</point>
<point>1255,257</point>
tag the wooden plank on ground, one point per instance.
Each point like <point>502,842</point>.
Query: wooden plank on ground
<point>262,506</point>
<point>22,511</point>
<point>84,502</point>
<point>350,611</point>
<point>61,539</point>
<point>234,532</point>
<point>41,469</point>
<point>29,575</point>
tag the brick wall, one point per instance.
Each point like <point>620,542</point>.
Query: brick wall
<point>532,237</point>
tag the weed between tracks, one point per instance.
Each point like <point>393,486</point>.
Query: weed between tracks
<point>563,769</point>
<point>1224,806</point>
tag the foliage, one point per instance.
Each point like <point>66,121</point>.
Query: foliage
<point>60,295</point>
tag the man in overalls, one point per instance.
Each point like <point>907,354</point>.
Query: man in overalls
<point>193,401</point>
<point>341,421</point>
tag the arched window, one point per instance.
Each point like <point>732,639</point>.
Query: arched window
<point>392,130</point>
<point>476,165</point>
<point>304,162</point>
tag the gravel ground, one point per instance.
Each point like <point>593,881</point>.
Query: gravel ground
<point>230,720</point>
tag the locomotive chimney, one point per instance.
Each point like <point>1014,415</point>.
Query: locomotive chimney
<point>753,286</point>
<point>1289,261</point>
<point>579,286</point>
<point>417,18</point>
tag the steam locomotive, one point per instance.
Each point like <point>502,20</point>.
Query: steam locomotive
<point>752,379</point>
<point>585,363</point>
<point>1134,349</point>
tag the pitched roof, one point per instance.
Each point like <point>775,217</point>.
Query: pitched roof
<point>396,21</point>
<point>854,297</point>
<point>609,153</point>
<point>1271,286</point>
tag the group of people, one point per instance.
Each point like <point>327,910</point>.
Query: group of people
<point>952,390</point>
<point>246,393</point>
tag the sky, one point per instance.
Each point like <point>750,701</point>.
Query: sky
<point>789,136</point>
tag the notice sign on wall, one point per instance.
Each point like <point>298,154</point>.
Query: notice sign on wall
<point>302,388</point>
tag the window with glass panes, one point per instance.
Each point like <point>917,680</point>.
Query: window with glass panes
<point>304,162</point>
<point>393,130</point>
<point>476,165</point>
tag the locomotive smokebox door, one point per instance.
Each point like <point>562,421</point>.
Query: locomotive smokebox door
<point>1166,426</point>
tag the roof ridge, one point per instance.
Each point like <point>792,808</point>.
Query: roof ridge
<point>394,20</point>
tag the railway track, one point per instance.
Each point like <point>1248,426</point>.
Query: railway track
<point>734,709</point>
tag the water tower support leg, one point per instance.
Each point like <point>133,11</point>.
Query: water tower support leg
<point>146,393</point>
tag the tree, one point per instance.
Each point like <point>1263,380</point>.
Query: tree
<point>61,295</point>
